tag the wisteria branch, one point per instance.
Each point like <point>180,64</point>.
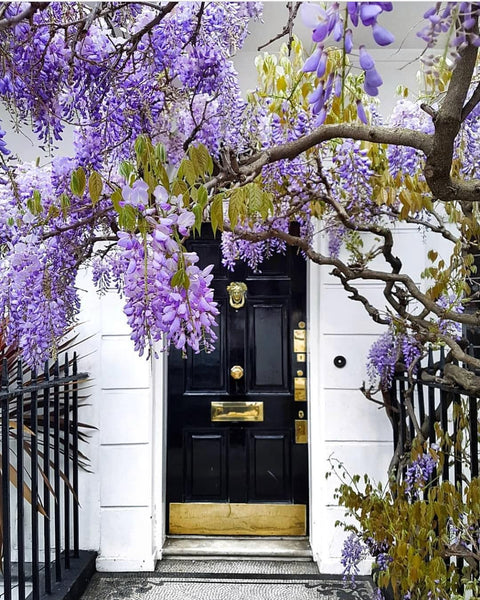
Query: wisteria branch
<point>24,15</point>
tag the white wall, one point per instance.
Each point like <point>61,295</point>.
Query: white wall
<point>118,508</point>
<point>344,424</point>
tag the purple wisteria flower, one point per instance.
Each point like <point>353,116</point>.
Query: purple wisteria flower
<point>386,351</point>
<point>185,314</point>
<point>329,21</point>
<point>419,472</point>
<point>137,195</point>
<point>3,144</point>
<point>353,552</point>
<point>446,326</point>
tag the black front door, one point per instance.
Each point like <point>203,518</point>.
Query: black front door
<point>237,459</point>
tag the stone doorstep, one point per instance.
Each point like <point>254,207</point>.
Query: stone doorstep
<point>237,548</point>
<point>202,580</point>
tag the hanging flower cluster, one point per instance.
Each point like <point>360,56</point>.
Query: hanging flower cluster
<point>154,305</point>
<point>334,22</point>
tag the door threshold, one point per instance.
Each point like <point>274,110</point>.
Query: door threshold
<point>237,548</point>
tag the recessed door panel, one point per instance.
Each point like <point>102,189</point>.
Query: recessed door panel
<point>206,371</point>
<point>268,347</point>
<point>269,467</point>
<point>205,465</point>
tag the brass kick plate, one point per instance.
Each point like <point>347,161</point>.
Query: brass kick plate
<point>301,431</point>
<point>207,518</point>
<point>299,340</point>
<point>300,389</point>
<point>237,411</point>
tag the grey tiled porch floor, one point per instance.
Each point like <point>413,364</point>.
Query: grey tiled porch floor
<point>226,580</point>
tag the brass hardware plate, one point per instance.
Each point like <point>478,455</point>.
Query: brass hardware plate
<point>237,411</point>
<point>301,358</point>
<point>237,291</point>
<point>208,518</point>
<point>301,431</point>
<point>299,340</point>
<point>300,389</point>
<point>236,372</point>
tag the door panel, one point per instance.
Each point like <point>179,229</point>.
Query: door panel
<point>208,371</point>
<point>205,466</point>
<point>270,459</point>
<point>241,461</point>
<point>267,343</point>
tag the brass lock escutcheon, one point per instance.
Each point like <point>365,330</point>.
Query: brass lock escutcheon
<point>300,389</point>
<point>300,340</point>
<point>236,372</point>
<point>237,291</point>
<point>301,431</point>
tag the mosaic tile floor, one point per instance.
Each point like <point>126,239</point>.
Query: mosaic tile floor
<point>225,580</point>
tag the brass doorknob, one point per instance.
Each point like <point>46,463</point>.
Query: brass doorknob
<point>236,372</point>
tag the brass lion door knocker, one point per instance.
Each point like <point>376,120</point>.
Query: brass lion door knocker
<point>237,291</point>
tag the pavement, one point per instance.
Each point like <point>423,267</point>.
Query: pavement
<point>227,580</point>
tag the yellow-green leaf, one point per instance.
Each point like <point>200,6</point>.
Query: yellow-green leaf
<point>216,213</point>
<point>95,186</point>
<point>236,206</point>
<point>202,196</point>
<point>198,212</point>
<point>116,198</point>
<point>187,171</point>
<point>78,182</point>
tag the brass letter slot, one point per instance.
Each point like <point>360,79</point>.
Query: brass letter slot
<point>300,389</point>
<point>237,411</point>
<point>301,431</point>
<point>300,340</point>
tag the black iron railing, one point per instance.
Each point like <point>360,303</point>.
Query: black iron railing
<point>39,476</point>
<point>433,402</point>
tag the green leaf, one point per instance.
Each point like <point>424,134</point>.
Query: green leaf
<point>187,171</point>
<point>162,176</point>
<point>78,182</point>
<point>198,212</point>
<point>127,218</point>
<point>205,158</point>
<point>216,213</point>
<point>142,225</point>
<point>267,204</point>
<point>196,161</point>
<point>95,186</point>
<point>202,196</point>
<point>116,198</point>
<point>37,201</point>
<point>255,199</point>
<point>160,153</point>
<point>186,281</point>
<point>141,147</point>
<point>178,279</point>
<point>179,188</point>
<point>236,206</point>
<point>125,169</point>
<point>64,204</point>
<point>201,160</point>
<point>34,204</point>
